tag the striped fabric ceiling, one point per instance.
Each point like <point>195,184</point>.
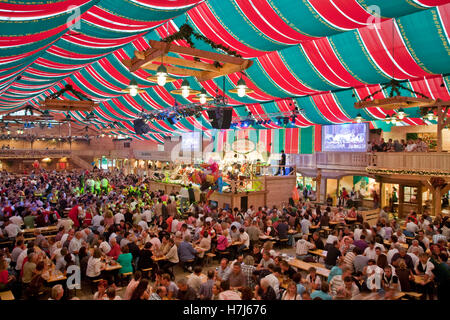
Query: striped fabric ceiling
<point>324,54</point>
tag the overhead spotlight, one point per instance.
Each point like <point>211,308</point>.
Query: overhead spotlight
<point>293,118</point>
<point>286,120</point>
<point>172,120</point>
<point>359,118</point>
<point>279,121</point>
<point>442,85</point>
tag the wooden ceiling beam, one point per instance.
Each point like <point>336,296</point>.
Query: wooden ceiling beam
<point>225,70</point>
<point>176,70</point>
<point>68,105</point>
<point>196,52</point>
<point>24,118</point>
<point>191,64</point>
<point>403,102</point>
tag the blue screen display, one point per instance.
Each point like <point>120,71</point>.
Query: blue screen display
<point>351,137</point>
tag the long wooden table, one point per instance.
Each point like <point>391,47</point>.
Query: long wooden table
<point>300,264</point>
<point>318,252</point>
<point>42,230</point>
<point>377,296</point>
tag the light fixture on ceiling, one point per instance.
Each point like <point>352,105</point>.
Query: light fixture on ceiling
<point>185,90</point>
<point>394,119</point>
<point>401,114</point>
<point>162,77</point>
<point>359,118</point>
<point>387,119</point>
<point>203,97</point>
<point>133,88</point>
<point>241,88</point>
<point>430,115</point>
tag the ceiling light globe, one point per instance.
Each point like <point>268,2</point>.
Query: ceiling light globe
<point>241,91</point>
<point>185,92</point>
<point>161,79</point>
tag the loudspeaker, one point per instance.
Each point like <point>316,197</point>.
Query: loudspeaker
<point>140,127</point>
<point>220,117</point>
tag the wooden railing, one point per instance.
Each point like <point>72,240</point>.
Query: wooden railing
<point>411,160</point>
<point>33,153</point>
<point>331,160</point>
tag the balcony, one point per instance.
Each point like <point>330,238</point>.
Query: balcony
<point>425,163</point>
<point>348,161</point>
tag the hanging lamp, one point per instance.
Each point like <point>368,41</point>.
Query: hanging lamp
<point>133,88</point>
<point>241,88</point>
<point>203,97</point>
<point>185,90</point>
<point>161,77</point>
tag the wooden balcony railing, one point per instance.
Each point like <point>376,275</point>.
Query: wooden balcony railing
<point>432,161</point>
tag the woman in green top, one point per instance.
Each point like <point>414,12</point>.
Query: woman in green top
<point>125,259</point>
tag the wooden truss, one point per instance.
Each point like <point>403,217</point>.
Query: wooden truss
<point>68,105</point>
<point>400,102</point>
<point>201,70</point>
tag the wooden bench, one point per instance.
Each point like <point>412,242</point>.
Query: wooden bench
<point>282,243</point>
<point>209,256</point>
<point>415,295</point>
<point>6,295</point>
<point>371,216</point>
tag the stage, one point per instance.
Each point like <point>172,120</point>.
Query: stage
<point>275,190</point>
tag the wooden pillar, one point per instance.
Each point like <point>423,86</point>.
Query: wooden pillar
<point>382,194</point>
<point>318,182</point>
<point>440,120</point>
<point>419,199</point>
<point>437,195</point>
<point>401,199</point>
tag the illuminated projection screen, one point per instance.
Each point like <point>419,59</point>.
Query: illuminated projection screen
<point>191,141</point>
<point>350,137</point>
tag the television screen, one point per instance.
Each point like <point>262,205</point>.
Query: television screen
<point>351,137</point>
<point>191,141</point>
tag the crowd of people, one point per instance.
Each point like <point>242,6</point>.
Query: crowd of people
<point>109,219</point>
<point>411,145</point>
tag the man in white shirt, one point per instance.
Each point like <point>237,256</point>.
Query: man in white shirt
<point>273,278</point>
<point>245,239</point>
<point>143,224</point>
<point>370,251</point>
<point>411,227</point>
<point>415,244</point>
<point>414,254</point>
<point>305,223</point>
<point>147,214</point>
<point>20,259</point>
<point>119,217</point>
<point>104,246</point>
<point>66,222</point>
<point>391,253</point>
<point>425,268</point>
<point>76,243</point>
<point>96,220</point>
<point>302,247</point>
<point>11,229</point>
<point>16,220</point>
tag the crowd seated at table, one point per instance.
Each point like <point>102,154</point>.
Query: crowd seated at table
<point>410,145</point>
<point>128,242</point>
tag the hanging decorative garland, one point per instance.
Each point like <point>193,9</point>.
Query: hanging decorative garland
<point>438,173</point>
<point>186,33</point>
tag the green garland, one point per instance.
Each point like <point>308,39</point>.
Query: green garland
<point>186,32</point>
<point>408,172</point>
